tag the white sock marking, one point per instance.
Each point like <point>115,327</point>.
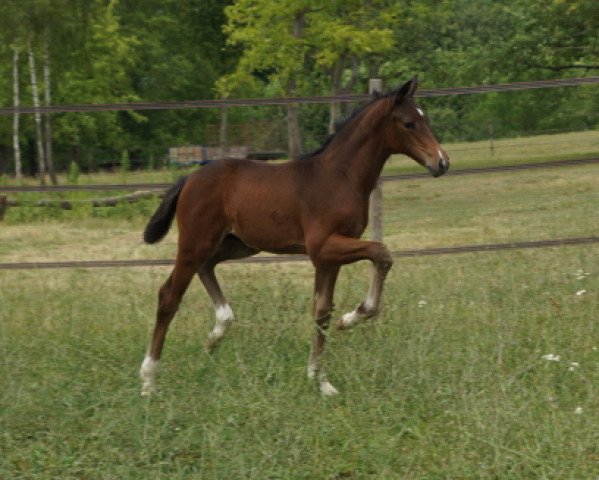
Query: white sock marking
<point>147,372</point>
<point>224,313</point>
<point>349,319</point>
<point>224,317</point>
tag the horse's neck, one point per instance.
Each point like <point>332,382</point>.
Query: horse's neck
<point>359,154</point>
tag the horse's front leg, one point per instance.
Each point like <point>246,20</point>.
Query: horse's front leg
<point>371,304</point>
<point>344,250</point>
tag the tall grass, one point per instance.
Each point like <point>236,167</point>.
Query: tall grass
<point>448,382</point>
<point>452,380</point>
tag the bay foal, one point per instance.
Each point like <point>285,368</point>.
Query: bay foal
<point>315,205</point>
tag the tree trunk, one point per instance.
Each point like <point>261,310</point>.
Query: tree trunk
<point>293,129</point>
<point>351,86</point>
<point>15,129</point>
<point>38,117</point>
<point>336,80</point>
<point>48,101</point>
<point>224,127</point>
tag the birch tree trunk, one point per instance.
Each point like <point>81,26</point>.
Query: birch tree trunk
<point>38,117</point>
<point>48,117</point>
<point>15,129</point>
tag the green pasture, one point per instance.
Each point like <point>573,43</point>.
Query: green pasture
<point>487,153</point>
<point>448,382</point>
<point>480,365</point>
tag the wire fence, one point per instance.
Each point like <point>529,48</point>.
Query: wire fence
<point>157,187</point>
<point>224,103</point>
<point>452,250</point>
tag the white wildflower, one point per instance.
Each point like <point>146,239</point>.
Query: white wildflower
<point>580,274</point>
<point>573,366</point>
<point>581,292</point>
<point>551,357</point>
<point>421,303</point>
<point>578,410</point>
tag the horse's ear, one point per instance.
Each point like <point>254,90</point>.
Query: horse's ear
<point>407,90</point>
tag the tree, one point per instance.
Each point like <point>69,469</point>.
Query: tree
<point>271,35</point>
<point>38,117</point>
<point>16,144</point>
<point>178,56</point>
<point>48,117</point>
<point>345,36</point>
<point>283,42</point>
<point>99,74</point>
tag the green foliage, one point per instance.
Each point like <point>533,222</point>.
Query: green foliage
<point>284,41</point>
<point>159,50</point>
<point>125,164</point>
<point>73,174</point>
<point>152,161</point>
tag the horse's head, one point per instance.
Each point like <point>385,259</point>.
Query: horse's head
<point>409,132</point>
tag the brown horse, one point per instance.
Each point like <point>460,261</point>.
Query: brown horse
<point>315,205</point>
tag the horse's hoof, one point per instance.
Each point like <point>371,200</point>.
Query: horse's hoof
<point>348,320</point>
<point>211,344</point>
<point>147,390</point>
<point>327,389</point>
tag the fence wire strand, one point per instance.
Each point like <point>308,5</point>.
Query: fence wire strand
<point>451,250</point>
<point>179,105</point>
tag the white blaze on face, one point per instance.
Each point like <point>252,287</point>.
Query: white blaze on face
<point>440,154</point>
<point>420,111</point>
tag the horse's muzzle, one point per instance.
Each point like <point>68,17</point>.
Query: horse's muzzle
<point>443,166</point>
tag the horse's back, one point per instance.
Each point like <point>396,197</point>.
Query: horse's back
<point>259,202</point>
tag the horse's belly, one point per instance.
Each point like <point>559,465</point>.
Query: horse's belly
<point>272,230</point>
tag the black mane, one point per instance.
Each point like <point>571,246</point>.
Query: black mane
<point>341,124</point>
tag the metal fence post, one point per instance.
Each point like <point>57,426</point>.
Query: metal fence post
<point>376,197</point>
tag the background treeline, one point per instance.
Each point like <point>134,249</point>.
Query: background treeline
<point>100,51</point>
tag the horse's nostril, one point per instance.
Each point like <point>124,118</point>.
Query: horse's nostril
<point>443,165</point>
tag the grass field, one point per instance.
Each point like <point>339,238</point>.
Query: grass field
<point>479,366</point>
<point>509,151</point>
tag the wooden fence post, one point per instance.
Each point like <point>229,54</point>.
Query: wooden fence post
<point>3,205</point>
<point>376,197</point>
<point>491,143</point>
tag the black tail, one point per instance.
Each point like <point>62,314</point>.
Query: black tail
<point>161,221</point>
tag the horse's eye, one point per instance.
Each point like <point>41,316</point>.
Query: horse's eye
<point>410,125</point>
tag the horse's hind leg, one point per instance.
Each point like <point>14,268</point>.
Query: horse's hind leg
<point>230,248</point>
<point>324,287</point>
<point>169,298</point>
